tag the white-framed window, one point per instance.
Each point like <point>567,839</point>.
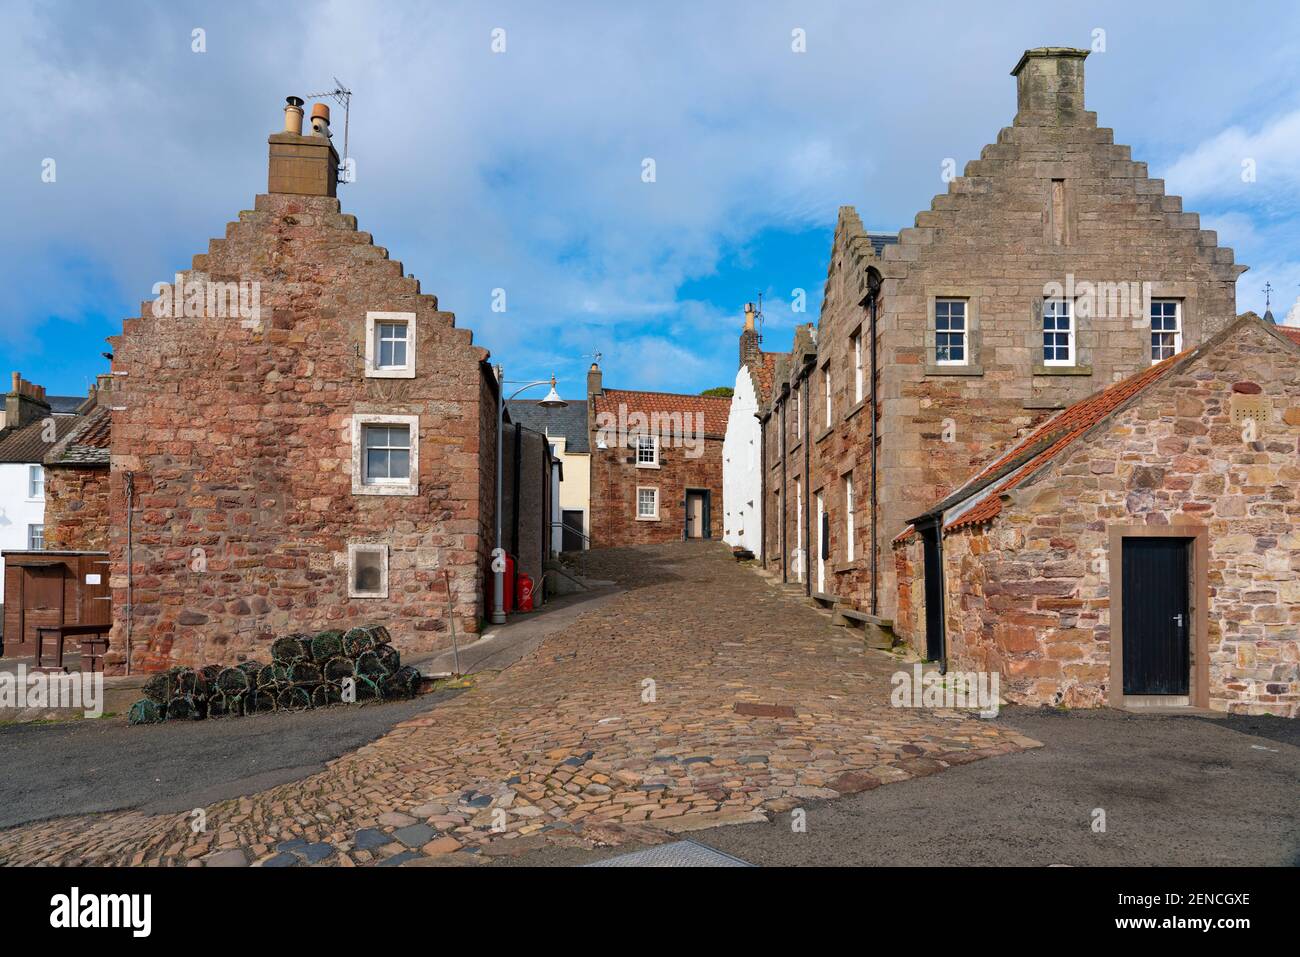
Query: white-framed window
<point>857,366</point>
<point>826,387</point>
<point>35,482</point>
<point>950,331</point>
<point>390,345</point>
<point>367,570</point>
<point>647,451</point>
<point>1058,332</point>
<point>797,551</point>
<point>36,537</point>
<point>647,502</point>
<point>848,517</point>
<point>385,454</point>
<point>794,409</point>
<point>1166,328</point>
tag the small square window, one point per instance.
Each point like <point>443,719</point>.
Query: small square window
<point>36,537</point>
<point>647,451</point>
<point>647,503</point>
<point>950,329</point>
<point>1166,328</point>
<point>367,571</point>
<point>1058,332</point>
<point>390,345</point>
<point>35,482</point>
<point>385,454</point>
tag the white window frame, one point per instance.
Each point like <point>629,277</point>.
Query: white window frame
<point>35,483</point>
<point>798,423</point>
<point>653,461</point>
<point>1177,329</point>
<point>654,490</point>
<point>386,486</point>
<point>1071,335</point>
<point>798,529</point>
<point>965,330</point>
<point>857,367</point>
<point>848,517</point>
<point>826,379</point>
<point>373,369</point>
<point>354,548</point>
<point>36,531</point>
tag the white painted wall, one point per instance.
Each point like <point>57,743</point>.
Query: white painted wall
<point>575,488</point>
<point>18,509</point>
<point>742,480</point>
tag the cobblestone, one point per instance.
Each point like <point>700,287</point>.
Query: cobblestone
<point>622,728</point>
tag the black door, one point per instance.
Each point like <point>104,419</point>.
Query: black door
<point>1157,620</point>
<point>571,533</point>
<point>933,593</point>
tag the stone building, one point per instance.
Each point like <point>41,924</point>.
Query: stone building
<point>656,464</point>
<point>566,429</point>
<point>301,439</point>
<point>76,484</point>
<point>742,448</point>
<point>1139,548</point>
<point>1052,267</point>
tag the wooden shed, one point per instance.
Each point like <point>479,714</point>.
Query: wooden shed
<point>52,588</point>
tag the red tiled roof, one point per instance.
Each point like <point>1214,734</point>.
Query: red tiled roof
<point>765,375</point>
<point>1291,332</point>
<point>715,409</point>
<point>1057,433</point>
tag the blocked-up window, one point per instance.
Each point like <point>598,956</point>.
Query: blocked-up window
<point>367,571</point>
<point>1166,328</point>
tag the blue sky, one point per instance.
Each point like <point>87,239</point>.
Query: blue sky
<point>522,170</point>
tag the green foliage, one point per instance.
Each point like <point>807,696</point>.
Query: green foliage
<point>720,392</point>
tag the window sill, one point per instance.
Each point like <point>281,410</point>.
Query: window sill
<point>1041,369</point>
<point>823,433</point>
<point>935,369</point>
<point>855,409</point>
<point>360,488</point>
<point>647,465</point>
<point>647,518</point>
<point>404,373</point>
<point>853,564</point>
<point>794,448</point>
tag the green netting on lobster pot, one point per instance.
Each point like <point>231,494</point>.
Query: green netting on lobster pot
<point>252,667</point>
<point>403,683</point>
<point>234,681</point>
<point>209,674</point>
<point>184,707</point>
<point>293,698</point>
<point>368,688</point>
<point>159,688</point>
<point>325,694</point>
<point>288,649</point>
<point>379,633</point>
<point>389,658</point>
<point>146,711</point>
<point>357,641</point>
<point>368,663</point>
<point>336,669</point>
<point>187,681</point>
<point>304,673</point>
<point>224,704</point>
<point>326,645</point>
<point>272,675</point>
<point>259,701</point>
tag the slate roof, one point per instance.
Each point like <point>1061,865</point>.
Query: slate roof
<point>87,443</point>
<point>65,404</point>
<point>27,443</point>
<point>715,409</point>
<point>569,423</point>
<point>983,492</point>
<point>880,240</point>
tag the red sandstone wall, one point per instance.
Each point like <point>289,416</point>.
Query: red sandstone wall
<point>76,508</point>
<point>614,480</point>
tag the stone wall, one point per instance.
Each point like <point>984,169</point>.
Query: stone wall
<point>1030,594</point>
<point>236,432</point>
<point>614,481</point>
<point>76,508</point>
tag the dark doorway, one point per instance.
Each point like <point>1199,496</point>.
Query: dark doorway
<point>1157,616</point>
<point>697,513</point>
<point>933,592</point>
<point>571,533</point>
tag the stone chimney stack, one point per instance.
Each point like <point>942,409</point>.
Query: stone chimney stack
<point>594,384</point>
<point>1049,85</point>
<point>749,344</point>
<point>306,165</point>
<point>25,402</point>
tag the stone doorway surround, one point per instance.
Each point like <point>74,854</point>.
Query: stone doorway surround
<point>1199,697</point>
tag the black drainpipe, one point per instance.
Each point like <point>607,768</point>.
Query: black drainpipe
<point>806,545</point>
<point>875,548</point>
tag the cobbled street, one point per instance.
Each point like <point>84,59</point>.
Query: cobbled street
<point>622,728</point>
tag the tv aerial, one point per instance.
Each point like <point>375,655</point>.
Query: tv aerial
<point>342,96</point>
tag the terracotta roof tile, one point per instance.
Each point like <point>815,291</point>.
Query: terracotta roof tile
<point>1291,332</point>
<point>715,409</point>
<point>1055,435</point>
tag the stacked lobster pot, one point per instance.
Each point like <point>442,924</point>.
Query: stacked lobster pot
<point>306,671</point>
